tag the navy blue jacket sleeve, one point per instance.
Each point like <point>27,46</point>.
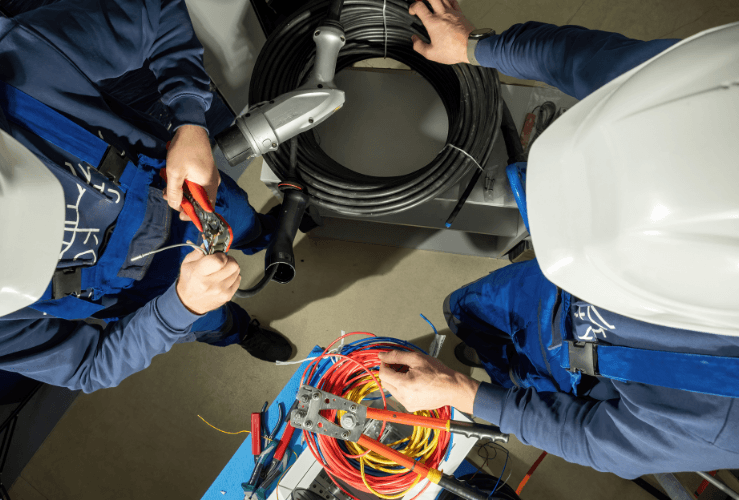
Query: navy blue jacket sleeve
<point>576,60</point>
<point>176,58</point>
<point>78,355</point>
<point>625,435</point>
<point>106,39</point>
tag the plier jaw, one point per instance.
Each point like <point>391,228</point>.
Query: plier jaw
<point>216,232</point>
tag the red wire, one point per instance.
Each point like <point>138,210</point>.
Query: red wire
<point>704,485</point>
<point>530,472</point>
<point>340,378</point>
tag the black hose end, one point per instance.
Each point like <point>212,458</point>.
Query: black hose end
<point>234,145</point>
<point>285,272</point>
<point>280,250</point>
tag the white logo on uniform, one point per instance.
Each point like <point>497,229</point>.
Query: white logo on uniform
<point>601,324</point>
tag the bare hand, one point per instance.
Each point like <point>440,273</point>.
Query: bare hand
<point>448,30</point>
<point>207,281</point>
<point>428,384</point>
<point>189,157</point>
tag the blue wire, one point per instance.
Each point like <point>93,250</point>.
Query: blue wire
<point>430,323</point>
<point>369,343</point>
<point>501,473</point>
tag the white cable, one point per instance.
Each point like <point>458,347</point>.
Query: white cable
<point>283,363</point>
<point>466,154</point>
<point>335,350</point>
<point>338,348</point>
<point>188,244</point>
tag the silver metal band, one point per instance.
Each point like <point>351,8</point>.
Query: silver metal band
<point>471,46</point>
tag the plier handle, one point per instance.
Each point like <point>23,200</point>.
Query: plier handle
<point>279,464</point>
<point>266,456</point>
<point>280,459</point>
<point>312,401</point>
<point>217,233</point>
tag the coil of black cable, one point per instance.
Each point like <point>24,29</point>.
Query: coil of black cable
<point>485,483</point>
<point>470,95</point>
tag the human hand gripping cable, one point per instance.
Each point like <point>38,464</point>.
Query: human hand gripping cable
<point>207,282</point>
<point>208,277</point>
<point>189,157</point>
<point>448,30</point>
<point>427,384</point>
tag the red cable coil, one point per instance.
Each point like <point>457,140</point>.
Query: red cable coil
<point>340,378</point>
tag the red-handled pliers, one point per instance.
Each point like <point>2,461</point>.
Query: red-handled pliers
<point>217,234</point>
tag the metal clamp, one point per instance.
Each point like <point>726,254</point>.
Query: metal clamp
<point>113,164</point>
<point>312,401</point>
<point>66,281</point>
<point>583,357</point>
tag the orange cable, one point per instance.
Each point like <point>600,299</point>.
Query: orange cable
<point>530,472</point>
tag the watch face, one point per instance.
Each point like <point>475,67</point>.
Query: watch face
<point>481,33</point>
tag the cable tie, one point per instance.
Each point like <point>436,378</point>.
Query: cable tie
<point>384,24</point>
<point>338,348</point>
<point>466,154</point>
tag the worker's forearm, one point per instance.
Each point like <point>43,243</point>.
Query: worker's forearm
<point>558,423</point>
<point>576,60</point>
<point>129,345</point>
<point>604,435</point>
<point>77,355</point>
<point>488,403</point>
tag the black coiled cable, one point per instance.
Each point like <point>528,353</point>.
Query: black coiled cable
<point>485,483</point>
<point>470,95</point>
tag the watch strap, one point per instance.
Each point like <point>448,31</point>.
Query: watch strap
<point>471,46</point>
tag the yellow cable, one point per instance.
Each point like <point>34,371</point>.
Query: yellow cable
<point>434,476</point>
<point>386,497</point>
<point>219,430</point>
<point>421,444</point>
<point>268,439</point>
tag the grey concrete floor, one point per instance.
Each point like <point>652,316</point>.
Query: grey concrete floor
<point>143,439</point>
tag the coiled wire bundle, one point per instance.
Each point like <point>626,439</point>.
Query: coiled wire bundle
<point>352,374</point>
<point>377,28</point>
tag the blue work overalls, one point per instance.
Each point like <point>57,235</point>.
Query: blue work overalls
<point>519,324</point>
<point>509,317</point>
<point>144,222</point>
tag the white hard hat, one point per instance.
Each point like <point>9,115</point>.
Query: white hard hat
<point>32,211</point>
<point>633,194</point>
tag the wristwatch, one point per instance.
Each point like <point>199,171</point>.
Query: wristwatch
<point>473,39</point>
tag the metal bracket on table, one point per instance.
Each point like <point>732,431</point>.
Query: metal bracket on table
<point>312,401</point>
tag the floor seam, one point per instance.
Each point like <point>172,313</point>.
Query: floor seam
<point>33,487</point>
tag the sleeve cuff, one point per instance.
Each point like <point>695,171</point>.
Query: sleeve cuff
<point>173,312</point>
<point>188,110</point>
<point>471,48</point>
<point>489,402</point>
<point>483,52</point>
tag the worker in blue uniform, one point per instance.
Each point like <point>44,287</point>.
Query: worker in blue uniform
<point>615,349</point>
<point>106,158</point>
